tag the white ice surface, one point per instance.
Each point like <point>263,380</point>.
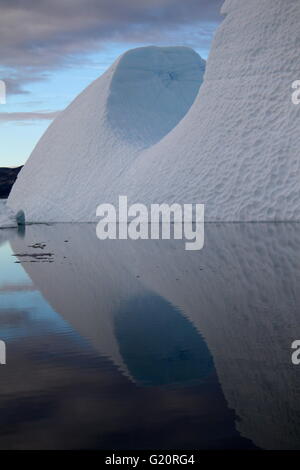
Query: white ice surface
<point>7,218</point>
<point>236,150</point>
<point>81,159</point>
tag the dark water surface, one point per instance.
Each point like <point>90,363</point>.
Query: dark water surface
<point>143,345</point>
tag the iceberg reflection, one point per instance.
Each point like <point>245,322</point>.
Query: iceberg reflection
<point>149,306</point>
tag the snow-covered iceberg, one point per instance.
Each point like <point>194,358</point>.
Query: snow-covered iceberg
<point>81,159</point>
<point>237,150</point>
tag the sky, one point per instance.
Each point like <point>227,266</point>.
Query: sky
<point>50,50</point>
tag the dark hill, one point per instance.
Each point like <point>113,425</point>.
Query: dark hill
<point>7,178</point>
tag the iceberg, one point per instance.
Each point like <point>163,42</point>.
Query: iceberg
<point>129,133</point>
<point>81,159</point>
<point>7,217</point>
<point>236,151</point>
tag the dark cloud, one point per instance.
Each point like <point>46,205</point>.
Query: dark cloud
<point>18,78</point>
<point>38,35</point>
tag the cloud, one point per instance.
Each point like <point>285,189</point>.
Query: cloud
<point>38,35</point>
<point>28,116</point>
<point>16,288</point>
<point>18,79</point>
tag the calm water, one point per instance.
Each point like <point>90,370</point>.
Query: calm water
<point>143,345</point>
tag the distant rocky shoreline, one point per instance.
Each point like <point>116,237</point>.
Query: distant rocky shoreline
<point>7,178</point>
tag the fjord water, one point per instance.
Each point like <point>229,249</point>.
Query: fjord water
<point>143,345</point>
